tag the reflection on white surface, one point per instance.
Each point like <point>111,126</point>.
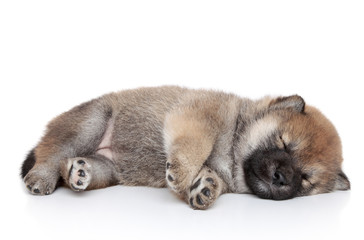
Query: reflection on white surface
<point>140,212</point>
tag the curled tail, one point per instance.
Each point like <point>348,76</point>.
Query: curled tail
<point>28,163</point>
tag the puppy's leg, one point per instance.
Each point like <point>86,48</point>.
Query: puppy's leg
<point>188,142</point>
<point>77,132</point>
<point>87,173</point>
<point>206,188</point>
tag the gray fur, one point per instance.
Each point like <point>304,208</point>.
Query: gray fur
<point>160,137</point>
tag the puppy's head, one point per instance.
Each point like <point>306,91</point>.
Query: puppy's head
<point>290,149</point>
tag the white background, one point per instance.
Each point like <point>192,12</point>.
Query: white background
<point>56,54</point>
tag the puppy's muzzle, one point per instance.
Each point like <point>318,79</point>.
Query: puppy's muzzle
<point>271,175</point>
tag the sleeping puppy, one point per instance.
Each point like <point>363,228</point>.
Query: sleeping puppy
<point>200,144</point>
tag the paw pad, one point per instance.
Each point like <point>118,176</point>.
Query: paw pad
<point>204,190</point>
<point>79,175</point>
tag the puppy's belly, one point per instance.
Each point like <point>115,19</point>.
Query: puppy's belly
<point>104,148</point>
<point>143,166</point>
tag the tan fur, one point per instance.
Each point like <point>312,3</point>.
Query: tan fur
<point>198,143</point>
<point>190,133</point>
<point>321,155</point>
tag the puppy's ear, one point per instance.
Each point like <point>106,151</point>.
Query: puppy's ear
<point>293,102</point>
<point>342,182</point>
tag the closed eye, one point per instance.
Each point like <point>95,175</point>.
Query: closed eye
<point>284,144</point>
<point>306,181</point>
<point>304,176</point>
<point>307,186</point>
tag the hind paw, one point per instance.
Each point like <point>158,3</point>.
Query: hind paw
<point>79,174</point>
<point>41,180</point>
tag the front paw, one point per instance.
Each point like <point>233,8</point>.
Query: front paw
<point>206,188</point>
<point>41,180</point>
<point>178,177</point>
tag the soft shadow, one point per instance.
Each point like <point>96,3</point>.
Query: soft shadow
<point>297,218</point>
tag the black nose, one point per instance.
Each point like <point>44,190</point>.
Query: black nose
<point>279,179</point>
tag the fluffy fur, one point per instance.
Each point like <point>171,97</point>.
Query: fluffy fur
<point>198,143</point>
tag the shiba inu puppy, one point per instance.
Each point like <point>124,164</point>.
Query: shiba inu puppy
<point>198,143</point>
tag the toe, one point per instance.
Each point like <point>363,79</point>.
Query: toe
<point>81,173</point>
<point>36,191</point>
<point>206,191</point>
<point>81,162</point>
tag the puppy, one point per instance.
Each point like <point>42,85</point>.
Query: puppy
<point>200,144</point>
